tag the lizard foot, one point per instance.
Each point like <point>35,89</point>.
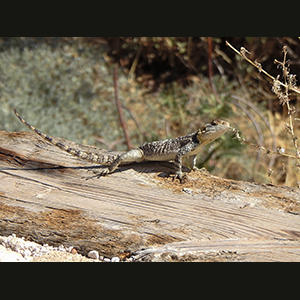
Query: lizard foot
<point>181,176</point>
<point>98,174</point>
<point>202,170</point>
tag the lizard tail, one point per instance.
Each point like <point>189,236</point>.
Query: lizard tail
<point>102,159</point>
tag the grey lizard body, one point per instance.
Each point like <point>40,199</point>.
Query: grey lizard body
<point>165,150</point>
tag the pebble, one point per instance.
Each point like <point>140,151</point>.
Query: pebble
<point>73,251</point>
<point>93,254</point>
<point>14,249</point>
<point>10,256</point>
<point>115,259</point>
<point>17,249</point>
<point>188,191</point>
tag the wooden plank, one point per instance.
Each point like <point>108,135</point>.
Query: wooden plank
<point>45,197</point>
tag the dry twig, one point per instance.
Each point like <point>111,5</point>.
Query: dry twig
<point>282,92</point>
<point>120,111</point>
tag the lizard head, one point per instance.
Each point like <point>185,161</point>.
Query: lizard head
<point>211,131</point>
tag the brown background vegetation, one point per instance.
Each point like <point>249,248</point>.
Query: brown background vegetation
<point>170,68</point>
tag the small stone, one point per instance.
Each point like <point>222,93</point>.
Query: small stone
<point>106,259</point>
<point>188,191</point>
<point>115,259</point>
<point>7,255</point>
<point>26,253</point>
<point>93,254</point>
<point>74,251</point>
<point>61,248</point>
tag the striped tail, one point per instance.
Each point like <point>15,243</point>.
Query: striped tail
<point>101,159</point>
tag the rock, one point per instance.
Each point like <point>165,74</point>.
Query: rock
<point>93,254</point>
<point>188,191</point>
<point>10,256</point>
<point>73,251</point>
<point>115,259</point>
<point>60,256</point>
<point>13,249</point>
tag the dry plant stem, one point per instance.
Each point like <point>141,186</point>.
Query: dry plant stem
<point>242,140</point>
<point>272,160</point>
<point>120,111</point>
<point>288,85</point>
<point>210,65</point>
<point>134,64</point>
<point>210,68</point>
<point>291,127</point>
<point>260,69</point>
<point>259,132</point>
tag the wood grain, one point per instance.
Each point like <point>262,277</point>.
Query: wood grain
<point>45,196</point>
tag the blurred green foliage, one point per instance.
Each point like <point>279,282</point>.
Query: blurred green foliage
<point>57,92</point>
<point>69,94</point>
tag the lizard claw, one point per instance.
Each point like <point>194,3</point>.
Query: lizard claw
<point>180,176</point>
<point>101,172</point>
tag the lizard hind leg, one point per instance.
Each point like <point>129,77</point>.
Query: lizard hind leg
<point>134,155</point>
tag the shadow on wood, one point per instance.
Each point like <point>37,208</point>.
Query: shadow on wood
<point>45,196</point>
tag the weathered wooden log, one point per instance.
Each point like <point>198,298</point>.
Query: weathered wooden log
<point>45,196</point>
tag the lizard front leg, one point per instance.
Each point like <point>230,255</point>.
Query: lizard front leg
<point>192,160</point>
<point>178,160</point>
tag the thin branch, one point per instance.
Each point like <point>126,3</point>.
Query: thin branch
<point>135,62</point>
<point>289,84</point>
<point>210,68</point>
<point>120,111</point>
<point>144,133</point>
<point>257,65</point>
<point>280,151</point>
<point>258,130</point>
<point>210,65</point>
<point>264,120</point>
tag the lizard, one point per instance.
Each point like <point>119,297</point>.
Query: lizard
<point>163,150</point>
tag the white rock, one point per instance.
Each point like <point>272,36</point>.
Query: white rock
<point>61,248</point>
<point>106,259</point>
<point>69,249</point>
<point>93,254</point>
<point>26,253</point>
<point>10,256</point>
<point>130,259</point>
<point>188,191</point>
<point>115,259</point>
